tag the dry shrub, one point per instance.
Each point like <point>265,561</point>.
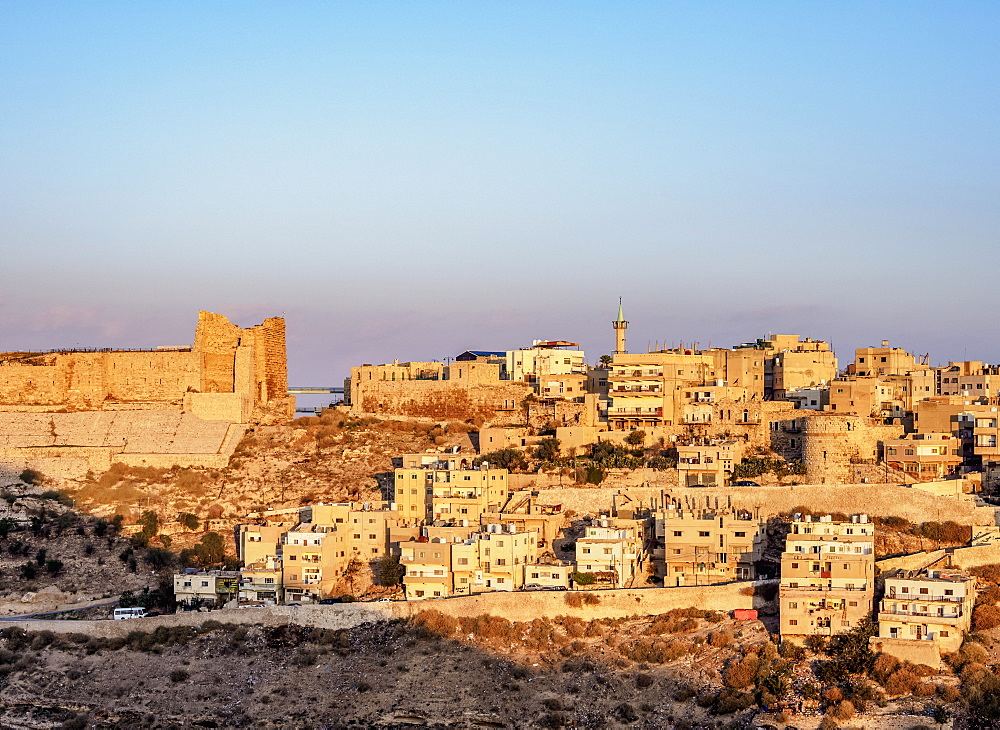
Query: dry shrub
<point>573,626</point>
<point>844,710</point>
<point>436,622</point>
<point>782,717</point>
<point>720,638</point>
<point>985,616</point>
<point>924,689</point>
<point>747,591</point>
<point>189,479</point>
<point>989,574</point>
<point>489,628</point>
<point>833,694</point>
<point>948,693</point>
<point>828,723</point>
<point>590,599</point>
<point>901,682</point>
<point>741,672</point>
<point>573,599</point>
<point>885,664</point>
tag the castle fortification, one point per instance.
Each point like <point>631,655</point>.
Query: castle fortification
<point>70,410</point>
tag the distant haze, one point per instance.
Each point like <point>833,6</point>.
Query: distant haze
<point>410,180</point>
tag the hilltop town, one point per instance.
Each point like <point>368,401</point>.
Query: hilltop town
<point>763,535</point>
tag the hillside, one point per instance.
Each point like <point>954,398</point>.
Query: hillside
<point>52,556</point>
<point>696,672</point>
<point>331,458</point>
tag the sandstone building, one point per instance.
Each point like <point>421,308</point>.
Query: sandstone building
<point>827,576</point>
<point>929,606</point>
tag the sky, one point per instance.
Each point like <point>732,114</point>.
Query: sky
<point>413,179</point>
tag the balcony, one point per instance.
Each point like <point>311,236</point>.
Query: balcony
<point>922,598</point>
<point>697,419</point>
<point>635,412</point>
<point>635,390</point>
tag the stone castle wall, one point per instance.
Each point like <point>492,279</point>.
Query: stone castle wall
<point>225,358</point>
<point>495,404</point>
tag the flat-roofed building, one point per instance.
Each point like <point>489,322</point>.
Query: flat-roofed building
<point>925,456</point>
<point>928,605</point>
<point>707,464</point>
<point>827,576</point>
<point>701,546</point>
<point>612,551</point>
<point>426,494</point>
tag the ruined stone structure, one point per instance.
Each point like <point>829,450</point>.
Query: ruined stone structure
<point>68,411</point>
<point>834,445</point>
<point>246,365</point>
<point>462,391</point>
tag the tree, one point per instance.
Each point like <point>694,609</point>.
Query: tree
<point>53,566</point>
<point>510,459</point>
<point>150,523</point>
<point>547,449</point>
<point>30,476</point>
<point>390,571</point>
<point>211,549</point>
<point>636,438</point>
<point>188,520</point>
<point>605,360</point>
<point>583,579</point>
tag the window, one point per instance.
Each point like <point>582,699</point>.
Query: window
<point>740,534</point>
<point>923,591</point>
<point>463,561</point>
<point>793,604</point>
<point>793,622</point>
<point>677,533</point>
<point>703,534</point>
<point>795,565</point>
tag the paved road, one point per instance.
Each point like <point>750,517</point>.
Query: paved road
<point>32,616</point>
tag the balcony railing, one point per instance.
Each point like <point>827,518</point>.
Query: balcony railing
<point>921,598</point>
<point>647,412</point>
<point>922,614</point>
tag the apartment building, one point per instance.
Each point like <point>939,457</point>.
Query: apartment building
<point>703,546</point>
<point>925,456</point>
<point>928,605</point>
<point>971,379</point>
<point>797,364</point>
<point>707,464</point>
<point>429,493</point>
<point>884,360</point>
<point>444,562</point>
<point>545,359</point>
<point>827,576</point>
<point>260,582</point>
<point>644,387</point>
<point>612,551</point>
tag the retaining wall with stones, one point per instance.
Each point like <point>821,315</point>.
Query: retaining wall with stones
<point>520,606</point>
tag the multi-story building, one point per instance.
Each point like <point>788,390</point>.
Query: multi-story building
<point>707,464</point>
<point>612,551</point>
<point>644,387</point>
<point>797,364</point>
<point>928,605</point>
<point>972,378</point>
<point>544,359</point>
<point>425,494</point>
<point>703,546</point>
<point>260,582</point>
<point>925,456</point>
<point>206,588</point>
<point>827,576</point>
<point>444,562</point>
<point>884,360</point>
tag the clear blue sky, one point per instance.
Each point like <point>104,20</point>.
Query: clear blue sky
<point>414,179</point>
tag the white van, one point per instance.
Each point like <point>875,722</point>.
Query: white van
<point>125,613</point>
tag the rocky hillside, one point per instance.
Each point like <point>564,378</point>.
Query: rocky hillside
<point>329,458</point>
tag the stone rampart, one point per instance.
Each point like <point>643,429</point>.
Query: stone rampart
<point>96,439</point>
<point>873,499</point>
<point>494,404</point>
<point>224,359</point>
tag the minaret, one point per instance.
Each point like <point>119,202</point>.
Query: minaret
<point>620,326</point>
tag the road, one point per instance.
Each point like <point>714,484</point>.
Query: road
<point>81,607</point>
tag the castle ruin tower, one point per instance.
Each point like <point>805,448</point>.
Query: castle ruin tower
<point>620,326</point>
